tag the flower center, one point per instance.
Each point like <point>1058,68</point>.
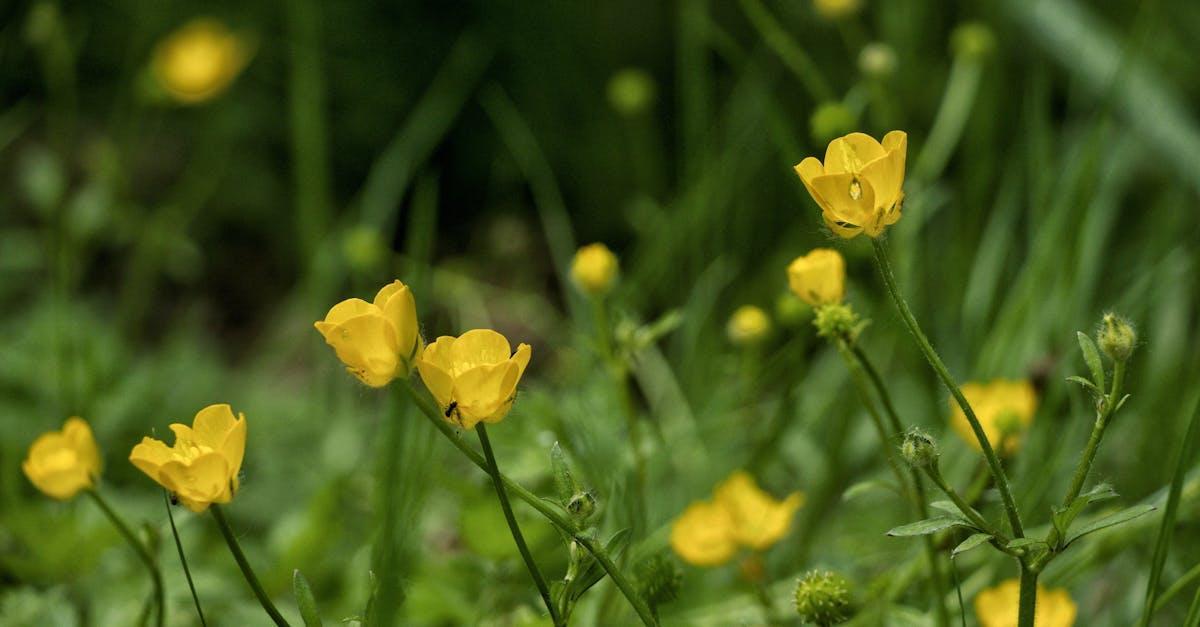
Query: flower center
<point>855,189</point>
<point>190,451</point>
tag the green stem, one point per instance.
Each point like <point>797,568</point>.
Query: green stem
<point>1188,578</point>
<point>141,550</point>
<point>935,474</point>
<point>936,577</point>
<point>518,537</point>
<point>244,564</point>
<point>1027,605</point>
<point>556,518</point>
<point>1089,453</point>
<point>620,376</point>
<point>187,572</point>
<point>1001,480</point>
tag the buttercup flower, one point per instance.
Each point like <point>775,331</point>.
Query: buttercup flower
<point>1004,408</point>
<point>474,376</point>
<point>203,465</point>
<point>819,278</point>
<point>859,185</point>
<point>594,269</point>
<point>198,61</point>
<point>709,533</point>
<point>377,341</point>
<point>997,606</point>
<point>61,463</point>
<point>748,325</point>
<point>836,9</point>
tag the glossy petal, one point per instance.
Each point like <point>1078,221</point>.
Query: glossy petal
<point>484,393</point>
<point>212,424</point>
<point>850,198</point>
<point>150,455</point>
<point>439,383</point>
<point>367,345</point>
<point>343,311</point>
<point>233,447</point>
<point>479,347</point>
<point>841,229</point>
<point>524,352</point>
<point>702,535</point>
<point>818,278</point>
<point>78,434</point>
<point>200,483</point>
<point>851,153</point>
<point>398,306</point>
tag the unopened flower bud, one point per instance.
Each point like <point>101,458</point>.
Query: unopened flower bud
<point>659,579</point>
<point>877,60</point>
<point>631,91</point>
<point>823,597</point>
<point>830,120</point>
<point>1116,337</point>
<point>594,269</point>
<point>972,40</point>
<point>581,506</point>
<point>918,449</point>
<point>837,321</point>
<point>748,325</point>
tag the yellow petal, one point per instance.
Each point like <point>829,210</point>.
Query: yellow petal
<point>439,383</point>
<point>184,436</point>
<point>850,198</point>
<point>79,434</point>
<point>702,535</point>
<point>841,229</point>
<point>850,153</point>
<point>809,169</point>
<point>818,278</point>
<point>396,302</point>
<point>484,393</point>
<point>439,353</point>
<point>886,175</point>
<point>212,425</point>
<point>59,484</point>
<point>150,455</point>
<point>233,448</point>
<point>521,357</point>
<point>479,347</point>
<point>367,346</point>
<point>198,484</point>
<point>345,310</point>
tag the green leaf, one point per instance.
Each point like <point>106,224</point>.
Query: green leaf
<point>927,526</point>
<point>1084,382</point>
<point>864,487</point>
<point>974,540</point>
<point>1062,518</point>
<point>1091,355</point>
<point>305,600</point>
<point>1024,543</point>
<point>1112,520</point>
<point>950,508</point>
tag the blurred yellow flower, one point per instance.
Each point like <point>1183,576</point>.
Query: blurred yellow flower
<point>748,325</point>
<point>377,341</point>
<point>997,606</point>
<point>709,533</point>
<point>836,9</point>
<point>859,187</point>
<point>819,278</point>
<point>199,60</point>
<point>474,376</point>
<point>61,463</point>
<point>594,269</point>
<point>1005,408</point>
<point>203,465</point>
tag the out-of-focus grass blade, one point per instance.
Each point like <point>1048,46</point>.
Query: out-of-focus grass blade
<point>421,133</point>
<point>305,600</point>
<point>1166,530</point>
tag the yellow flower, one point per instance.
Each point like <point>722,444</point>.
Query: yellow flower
<point>748,325</point>
<point>202,467</point>
<point>199,60</point>
<point>474,376</point>
<point>859,187</point>
<point>377,341</point>
<point>709,533</point>
<point>1004,408</point>
<point>594,269</point>
<point>997,606</point>
<point>818,277</point>
<point>61,463</point>
<point>836,9</point>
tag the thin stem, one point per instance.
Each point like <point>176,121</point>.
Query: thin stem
<point>620,378</point>
<point>935,474</point>
<point>1010,505</point>
<point>556,518</point>
<point>1089,453</point>
<point>1027,605</point>
<point>515,528</point>
<point>183,559</point>
<point>936,577</point>
<point>140,548</point>
<point>1188,578</point>
<point>244,564</point>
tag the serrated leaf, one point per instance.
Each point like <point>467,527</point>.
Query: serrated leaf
<point>972,541</point>
<point>1084,382</point>
<point>1112,520</point>
<point>304,600</point>
<point>865,487</point>
<point>1091,356</point>
<point>927,526</point>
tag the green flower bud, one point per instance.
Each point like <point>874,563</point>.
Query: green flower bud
<point>823,598</point>
<point>877,60</point>
<point>919,449</point>
<point>838,321</point>
<point>830,120</point>
<point>363,248</point>
<point>659,579</point>
<point>581,506</point>
<point>1116,337</point>
<point>631,91</point>
<point>973,40</point>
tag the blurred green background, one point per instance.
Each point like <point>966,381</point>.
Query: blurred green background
<point>158,255</point>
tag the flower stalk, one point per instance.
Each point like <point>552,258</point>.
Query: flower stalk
<point>138,547</point>
<point>244,565</point>
<point>518,537</point>
<point>187,572</point>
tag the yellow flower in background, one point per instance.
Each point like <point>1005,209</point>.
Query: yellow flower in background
<point>203,465</point>
<point>377,341</point>
<point>594,269</point>
<point>61,463</point>
<point>859,187</point>
<point>199,60</point>
<point>997,606</point>
<point>703,534</point>
<point>740,515</point>
<point>759,520</point>
<point>473,376</point>
<point>748,325</point>
<point>836,9</point>
<point>1005,408</point>
<point>819,278</point>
